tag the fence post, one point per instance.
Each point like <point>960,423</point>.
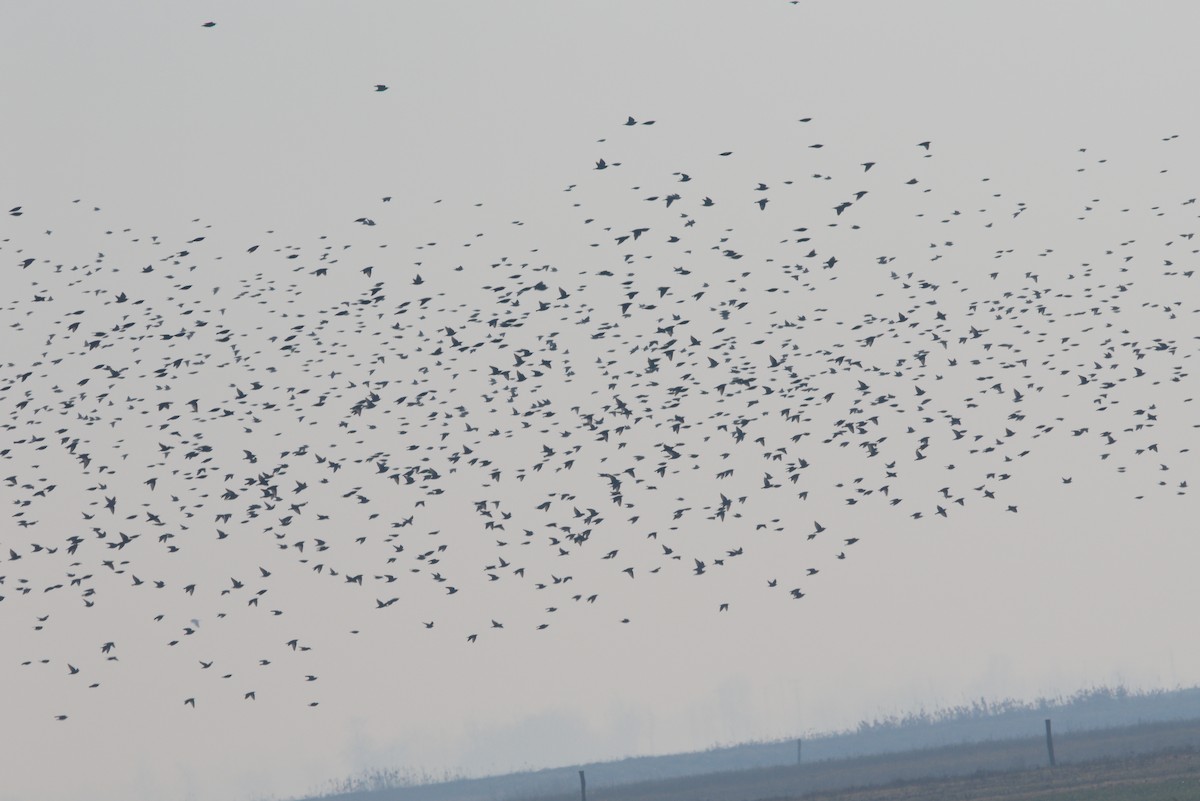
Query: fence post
<point>798,752</point>
<point>1049,743</point>
<point>582,787</point>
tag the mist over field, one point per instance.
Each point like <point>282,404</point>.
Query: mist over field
<point>464,389</point>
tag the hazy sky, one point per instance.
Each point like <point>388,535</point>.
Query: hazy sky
<point>266,130</point>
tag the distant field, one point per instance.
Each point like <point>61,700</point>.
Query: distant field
<point>1146,762</point>
<point>1151,762</point>
<point>1155,777</point>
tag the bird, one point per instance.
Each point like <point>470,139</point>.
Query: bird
<point>564,383</point>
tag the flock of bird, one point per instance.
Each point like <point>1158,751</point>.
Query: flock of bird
<point>667,388</point>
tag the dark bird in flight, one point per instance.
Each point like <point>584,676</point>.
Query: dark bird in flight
<point>536,413</point>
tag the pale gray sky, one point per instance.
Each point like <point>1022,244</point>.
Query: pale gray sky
<point>267,128</point>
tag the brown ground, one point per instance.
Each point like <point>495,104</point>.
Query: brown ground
<point>1151,777</point>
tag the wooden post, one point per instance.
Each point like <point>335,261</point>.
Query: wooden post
<point>798,752</point>
<point>1049,743</point>
<point>582,787</point>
